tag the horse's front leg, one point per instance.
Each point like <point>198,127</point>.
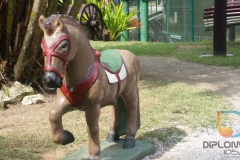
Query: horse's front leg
<point>92,116</point>
<point>62,106</point>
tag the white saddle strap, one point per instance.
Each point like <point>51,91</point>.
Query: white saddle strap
<point>112,78</point>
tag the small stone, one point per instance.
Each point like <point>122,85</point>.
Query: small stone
<point>33,99</point>
<point>17,92</point>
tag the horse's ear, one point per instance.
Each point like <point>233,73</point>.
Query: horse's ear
<point>59,24</point>
<point>41,22</point>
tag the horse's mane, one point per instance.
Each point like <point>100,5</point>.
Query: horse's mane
<point>66,19</point>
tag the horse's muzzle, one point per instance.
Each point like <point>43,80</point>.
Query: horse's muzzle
<point>52,80</point>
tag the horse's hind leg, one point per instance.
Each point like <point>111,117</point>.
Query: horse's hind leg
<point>131,100</point>
<point>113,135</point>
<point>118,121</point>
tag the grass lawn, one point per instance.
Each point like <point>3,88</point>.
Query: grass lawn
<point>186,51</point>
<point>166,108</point>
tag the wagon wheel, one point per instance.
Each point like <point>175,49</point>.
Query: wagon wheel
<point>91,20</point>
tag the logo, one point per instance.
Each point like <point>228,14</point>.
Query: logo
<point>226,132</point>
<point>229,148</point>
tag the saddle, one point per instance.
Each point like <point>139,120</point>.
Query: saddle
<point>115,70</point>
<point>113,65</point>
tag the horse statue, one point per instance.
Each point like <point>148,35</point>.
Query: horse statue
<point>87,80</point>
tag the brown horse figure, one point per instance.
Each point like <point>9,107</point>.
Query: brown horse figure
<point>72,66</point>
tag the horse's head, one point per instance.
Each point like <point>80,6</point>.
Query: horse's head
<point>56,48</point>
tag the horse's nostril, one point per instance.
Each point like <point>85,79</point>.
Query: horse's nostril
<point>52,80</point>
<point>47,80</point>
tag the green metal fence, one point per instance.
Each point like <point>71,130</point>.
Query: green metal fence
<point>183,20</point>
<point>178,21</point>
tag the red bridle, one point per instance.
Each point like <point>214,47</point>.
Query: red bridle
<point>50,51</point>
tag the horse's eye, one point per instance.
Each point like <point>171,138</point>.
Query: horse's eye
<point>64,47</point>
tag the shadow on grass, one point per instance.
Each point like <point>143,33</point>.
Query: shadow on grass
<point>163,138</point>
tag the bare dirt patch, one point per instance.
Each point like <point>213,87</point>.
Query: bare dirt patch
<point>53,156</point>
<point>222,80</point>
<point>22,117</point>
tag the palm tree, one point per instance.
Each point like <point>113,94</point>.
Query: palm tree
<point>23,56</point>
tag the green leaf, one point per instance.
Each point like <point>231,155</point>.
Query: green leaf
<point>115,20</point>
<point>6,90</point>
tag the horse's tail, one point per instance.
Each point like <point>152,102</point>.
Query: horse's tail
<point>123,115</point>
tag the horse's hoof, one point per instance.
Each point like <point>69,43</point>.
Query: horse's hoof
<point>112,137</point>
<point>129,143</point>
<point>92,157</point>
<point>70,137</point>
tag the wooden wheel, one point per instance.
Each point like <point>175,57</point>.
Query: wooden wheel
<point>91,20</point>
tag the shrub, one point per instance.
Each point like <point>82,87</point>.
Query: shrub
<point>115,20</point>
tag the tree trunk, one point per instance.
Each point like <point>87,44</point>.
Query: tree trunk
<point>9,27</point>
<point>54,7</point>
<point>36,42</point>
<point>49,9</point>
<point>3,30</point>
<point>219,28</point>
<point>75,8</point>
<point>18,18</point>
<point>65,7</point>
<point>23,57</point>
